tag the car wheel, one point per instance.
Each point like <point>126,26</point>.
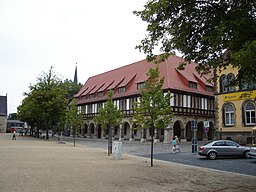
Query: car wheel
<point>212,155</point>
<point>246,155</point>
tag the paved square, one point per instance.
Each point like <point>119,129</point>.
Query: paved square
<point>33,165</point>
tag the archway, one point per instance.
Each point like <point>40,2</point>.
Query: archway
<point>85,130</point>
<point>177,129</point>
<point>200,131</point>
<point>92,129</point>
<point>126,132</point>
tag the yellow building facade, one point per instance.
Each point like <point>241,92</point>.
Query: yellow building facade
<point>235,108</point>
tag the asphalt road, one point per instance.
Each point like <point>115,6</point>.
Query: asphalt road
<point>162,152</point>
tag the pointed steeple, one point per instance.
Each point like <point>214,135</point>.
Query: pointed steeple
<point>75,76</point>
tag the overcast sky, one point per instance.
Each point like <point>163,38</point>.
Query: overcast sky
<point>36,34</point>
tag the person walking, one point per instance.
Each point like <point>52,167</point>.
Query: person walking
<point>14,135</point>
<point>174,144</point>
<point>177,143</point>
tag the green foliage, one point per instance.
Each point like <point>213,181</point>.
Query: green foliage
<point>153,109</point>
<point>202,31</point>
<point>72,88</point>
<point>109,115</point>
<point>12,116</point>
<point>46,103</point>
<point>74,118</point>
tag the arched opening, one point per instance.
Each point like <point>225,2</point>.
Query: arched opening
<point>126,127</point>
<point>177,129</point>
<point>200,131</point>
<point>92,129</point>
<point>85,130</point>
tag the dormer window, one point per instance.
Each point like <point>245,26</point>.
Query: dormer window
<point>83,97</point>
<point>140,85</point>
<point>192,85</point>
<point>91,96</point>
<point>121,90</point>
<point>101,94</point>
<point>209,88</point>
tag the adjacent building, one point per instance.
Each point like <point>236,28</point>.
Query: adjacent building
<point>192,101</point>
<point>3,113</point>
<point>236,107</point>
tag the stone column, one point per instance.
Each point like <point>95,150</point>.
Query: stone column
<point>142,135</point>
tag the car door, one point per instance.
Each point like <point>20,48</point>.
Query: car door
<point>219,146</point>
<point>232,148</point>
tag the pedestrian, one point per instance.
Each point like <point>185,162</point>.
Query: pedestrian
<point>14,135</point>
<point>174,143</point>
<point>177,143</point>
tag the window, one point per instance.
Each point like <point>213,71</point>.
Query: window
<point>230,82</point>
<point>223,84</point>
<point>91,96</point>
<point>209,88</point>
<point>219,143</point>
<point>227,83</point>
<point>140,85</point>
<point>249,112</point>
<point>121,90</point>
<point>100,94</point>
<point>192,85</point>
<point>229,115</point>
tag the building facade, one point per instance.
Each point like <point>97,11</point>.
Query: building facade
<point>3,113</point>
<point>192,99</point>
<point>236,107</point>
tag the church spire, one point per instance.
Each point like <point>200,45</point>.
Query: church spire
<point>75,76</point>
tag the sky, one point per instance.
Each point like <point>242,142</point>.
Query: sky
<point>36,34</point>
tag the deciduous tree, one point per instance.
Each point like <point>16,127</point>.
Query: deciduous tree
<point>109,116</point>
<point>212,33</point>
<point>153,110</point>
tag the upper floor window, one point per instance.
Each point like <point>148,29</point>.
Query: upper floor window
<point>231,83</point>
<point>121,90</point>
<point>192,85</point>
<point>100,94</point>
<point>227,83</point>
<point>91,96</point>
<point>229,115</point>
<point>245,86</point>
<point>249,113</point>
<point>209,88</point>
<point>83,97</point>
<point>140,85</point>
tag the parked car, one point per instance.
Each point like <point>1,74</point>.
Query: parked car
<point>223,148</point>
<point>252,152</point>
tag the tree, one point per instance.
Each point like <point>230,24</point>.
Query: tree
<point>71,87</point>
<point>109,116</point>
<point>212,33</point>
<point>46,102</point>
<point>12,116</point>
<point>74,118</point>
<point>153,110</point>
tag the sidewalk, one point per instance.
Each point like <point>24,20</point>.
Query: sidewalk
<point>34,165</point>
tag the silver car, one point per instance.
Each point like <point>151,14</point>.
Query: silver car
<point>218,148</point>
<point>252,152</point>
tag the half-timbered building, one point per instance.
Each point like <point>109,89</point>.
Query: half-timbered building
<point>192,98</point>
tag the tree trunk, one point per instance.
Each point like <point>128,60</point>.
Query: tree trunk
<point>152,145</point>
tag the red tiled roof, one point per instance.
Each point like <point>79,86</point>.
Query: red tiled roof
<point>136,73</point>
